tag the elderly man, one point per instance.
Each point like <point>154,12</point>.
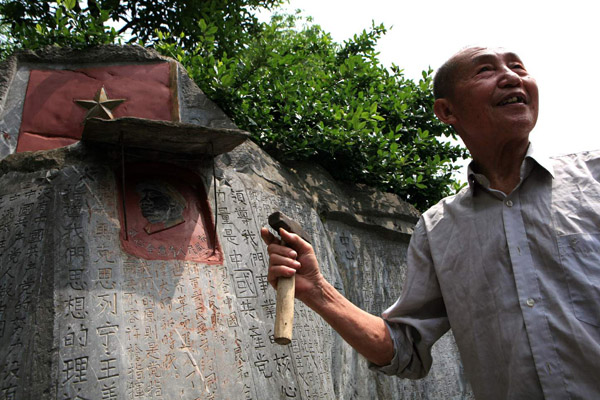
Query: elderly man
<point>511,263</point>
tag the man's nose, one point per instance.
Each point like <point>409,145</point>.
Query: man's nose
<point>509,77</point>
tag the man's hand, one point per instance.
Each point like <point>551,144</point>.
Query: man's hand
<point>363,331</point>
<point>295,257</point>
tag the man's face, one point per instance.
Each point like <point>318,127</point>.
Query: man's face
<point>494,98</point>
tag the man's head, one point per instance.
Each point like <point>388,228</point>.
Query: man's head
<point>443,81</point>
<point>487,95</point>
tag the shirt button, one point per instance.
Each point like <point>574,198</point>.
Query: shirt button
<point>530,302</point>
<point>509,203</point>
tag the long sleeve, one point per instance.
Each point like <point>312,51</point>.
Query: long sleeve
<point>418,318</point>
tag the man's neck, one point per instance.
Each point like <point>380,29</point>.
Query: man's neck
<point>502,167</point>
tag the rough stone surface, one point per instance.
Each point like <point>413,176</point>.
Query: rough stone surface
<point>11,108</point>
<point>81,318</point>
<point>196,108</point>
<point>97,55</point>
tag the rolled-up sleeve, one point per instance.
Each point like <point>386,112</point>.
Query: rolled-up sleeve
<point>418,318</point>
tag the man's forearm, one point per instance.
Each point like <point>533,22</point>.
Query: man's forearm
<point>365,332</point>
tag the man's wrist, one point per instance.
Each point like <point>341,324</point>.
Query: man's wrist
<point>322,294</point>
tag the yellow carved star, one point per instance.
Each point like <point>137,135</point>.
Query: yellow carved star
<point>101,106</point>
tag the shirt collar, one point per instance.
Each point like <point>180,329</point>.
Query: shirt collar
<point>531,159</point>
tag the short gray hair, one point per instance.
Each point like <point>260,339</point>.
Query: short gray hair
<point>445,77</point>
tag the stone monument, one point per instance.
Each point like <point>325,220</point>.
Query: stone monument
<point>131,265</point>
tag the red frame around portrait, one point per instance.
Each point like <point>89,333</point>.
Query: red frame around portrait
<point>194,239</point>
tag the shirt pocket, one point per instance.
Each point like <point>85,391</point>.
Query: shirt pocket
<point>580,258</point>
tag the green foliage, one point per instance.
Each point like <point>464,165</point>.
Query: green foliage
<point>304,97</point>
<point>301,95</point>
<point>6,46</point>
<point>34,24</point>
<point>232,19</point>
<point>43,22</point>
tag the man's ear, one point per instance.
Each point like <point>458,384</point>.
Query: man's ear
<point>443,109</point>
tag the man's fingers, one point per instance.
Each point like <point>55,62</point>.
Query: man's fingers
<point>284,254</point>
<point>267,236</point>
<point>281,266</point>
<point>291,240</point>
<point>280,250</point>
<point>278,271</point>
<point>278,246</point>
<point>274,245</point>
<point>282,260</point>
<point>295,241</point>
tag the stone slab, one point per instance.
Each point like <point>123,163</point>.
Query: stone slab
<point>165,136</point>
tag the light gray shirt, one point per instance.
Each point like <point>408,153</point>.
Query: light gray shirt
<point>517,277</point>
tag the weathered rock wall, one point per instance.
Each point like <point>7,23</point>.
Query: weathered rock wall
<point>82,318</point>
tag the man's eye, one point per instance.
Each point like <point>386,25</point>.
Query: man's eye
<point>518,66</point>
<point>484,69</point>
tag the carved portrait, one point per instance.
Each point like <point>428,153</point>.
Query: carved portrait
<point>161,204</point>
<point>167,215</point>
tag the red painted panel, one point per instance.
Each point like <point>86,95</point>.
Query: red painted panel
<point>168,215</point>
<point>50,110</point>
<point>32,142</point>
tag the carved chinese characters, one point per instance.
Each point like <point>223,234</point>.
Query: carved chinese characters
<point>23,234</point>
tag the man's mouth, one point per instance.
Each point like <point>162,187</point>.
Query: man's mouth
<point>513,100</point>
